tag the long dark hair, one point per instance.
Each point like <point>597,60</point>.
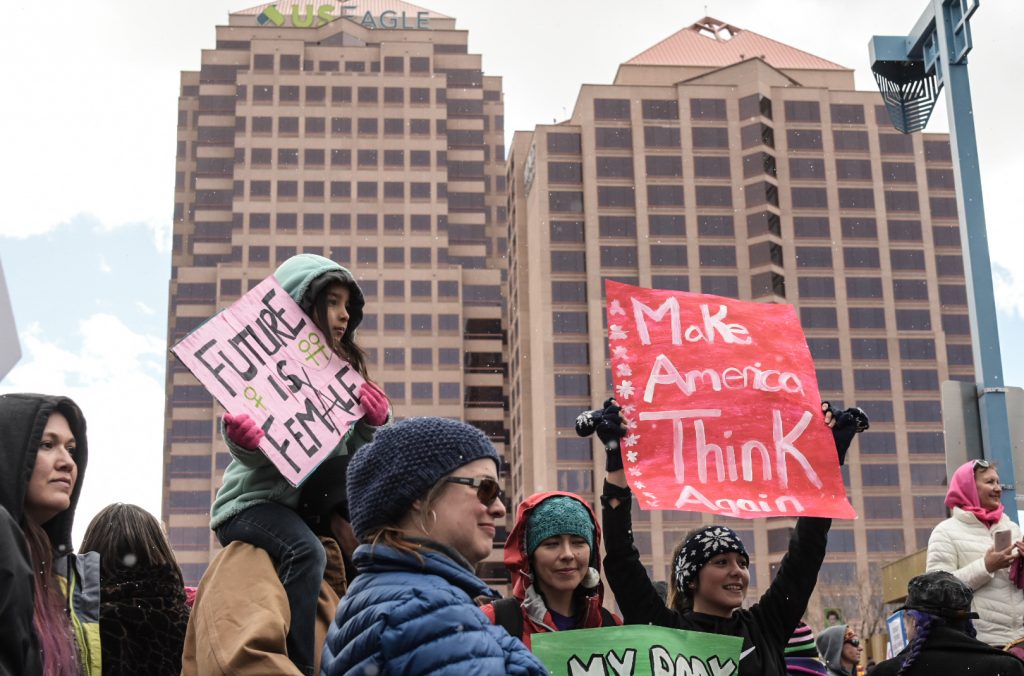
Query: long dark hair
<point>127,536</point>
<point>346,348</point>
<point>50,614</point>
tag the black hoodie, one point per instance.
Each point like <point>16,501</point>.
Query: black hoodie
<point>23,418</point>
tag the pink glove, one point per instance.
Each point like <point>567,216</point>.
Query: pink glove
<point>243,431</point>
<point>375,403</point>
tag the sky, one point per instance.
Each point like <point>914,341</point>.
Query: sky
<point>88,172</point>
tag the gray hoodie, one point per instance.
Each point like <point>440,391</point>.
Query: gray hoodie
<point>830,646</point>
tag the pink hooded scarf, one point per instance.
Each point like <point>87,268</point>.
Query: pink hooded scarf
<point>963,493</point>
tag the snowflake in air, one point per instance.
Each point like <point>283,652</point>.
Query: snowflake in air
<point>623,370</point>
<point>615,332</point>
<point>625,389</point>
<point>630,441</point>
<point>631,456</point>
<point>620,352</point>
<point>616,308</point>
<point>635,471</point>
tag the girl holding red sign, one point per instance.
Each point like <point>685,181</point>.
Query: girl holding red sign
<point>710,566</point>
<point>255,504</point>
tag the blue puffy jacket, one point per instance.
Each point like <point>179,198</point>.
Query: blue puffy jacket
<point>401,616</point>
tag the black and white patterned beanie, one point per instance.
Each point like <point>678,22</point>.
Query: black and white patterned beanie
<point>700,548</point>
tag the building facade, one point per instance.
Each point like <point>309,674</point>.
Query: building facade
<point>365,132</point>
<point>723,162</point>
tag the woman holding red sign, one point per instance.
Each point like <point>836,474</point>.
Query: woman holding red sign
<point>711,567</point>
<point>255,504</point>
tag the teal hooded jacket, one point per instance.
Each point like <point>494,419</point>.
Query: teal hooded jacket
<point>251,478</point>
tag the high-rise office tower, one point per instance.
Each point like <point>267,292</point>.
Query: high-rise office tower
<point>366,132</point>
<point>724,162</point>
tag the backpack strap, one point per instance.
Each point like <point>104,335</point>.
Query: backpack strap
<point>607,619</point>
<point>508,614</point>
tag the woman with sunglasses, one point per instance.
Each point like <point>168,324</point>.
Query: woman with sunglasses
<point>840,647</point>
<point>425,502</point>
<point>553,554</point>
<point>965,545</point>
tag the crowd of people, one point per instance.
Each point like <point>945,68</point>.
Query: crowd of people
<point>369,566</point>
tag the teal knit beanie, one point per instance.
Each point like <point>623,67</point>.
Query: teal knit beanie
<point>558,515</point>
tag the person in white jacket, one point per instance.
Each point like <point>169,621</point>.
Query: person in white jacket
<point>964,545</point>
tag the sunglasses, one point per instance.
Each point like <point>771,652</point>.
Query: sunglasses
<point>981,464</point>
<point>487,490</point>
<point>855,642</point>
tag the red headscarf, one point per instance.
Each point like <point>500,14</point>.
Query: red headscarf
<point>963,493</point>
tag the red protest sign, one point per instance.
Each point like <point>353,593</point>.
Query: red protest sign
<point>723,405</point>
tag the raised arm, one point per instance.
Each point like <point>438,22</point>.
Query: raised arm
<point>784,603</point>
<point>627,577</point>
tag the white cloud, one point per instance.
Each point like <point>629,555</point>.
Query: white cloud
<point>116,376</point>
<point>105,266</point>
<point>146,310</point>
<point>1009,290</point>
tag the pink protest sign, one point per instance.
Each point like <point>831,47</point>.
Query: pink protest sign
<point>263,356</point>
<point>723,404</point>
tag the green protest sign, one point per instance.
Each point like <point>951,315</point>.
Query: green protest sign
<point>639,650</point>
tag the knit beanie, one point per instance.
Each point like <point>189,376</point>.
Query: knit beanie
<point>700,548</point>
<point>801,643</point>
<point>558,515</point>
<point>403,462</point>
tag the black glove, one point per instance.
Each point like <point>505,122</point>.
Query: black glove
<point>609,431</point>
<point>849,423</point>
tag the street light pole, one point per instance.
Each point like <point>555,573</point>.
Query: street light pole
<point>910,71</point>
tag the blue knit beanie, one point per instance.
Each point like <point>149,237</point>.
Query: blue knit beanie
<point>402,464</point>
<point>558,515</point>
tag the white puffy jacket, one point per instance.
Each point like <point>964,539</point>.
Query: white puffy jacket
<point>958,545</point>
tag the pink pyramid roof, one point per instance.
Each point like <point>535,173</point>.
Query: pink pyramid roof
<point>711,42</point>
<point>356,8</point>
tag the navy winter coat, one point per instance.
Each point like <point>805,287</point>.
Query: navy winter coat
<point>404,616</point>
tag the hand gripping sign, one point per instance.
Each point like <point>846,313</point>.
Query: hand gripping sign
<point>264,357</point>
<point>723,404</point>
